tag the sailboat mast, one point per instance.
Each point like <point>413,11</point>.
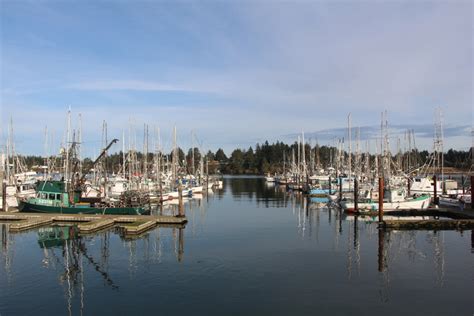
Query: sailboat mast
<point>350,148</point>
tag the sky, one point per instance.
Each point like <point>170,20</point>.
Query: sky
<point>234,73</point>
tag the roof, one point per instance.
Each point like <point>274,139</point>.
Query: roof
<point>51,186</point>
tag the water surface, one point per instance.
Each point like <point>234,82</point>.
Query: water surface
<point>250,248</point>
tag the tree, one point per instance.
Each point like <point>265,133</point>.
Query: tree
<point>220,155</point>
<point>210,156</point>
<point>237,161</point>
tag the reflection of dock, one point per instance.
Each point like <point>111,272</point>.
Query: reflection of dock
<point>132,225</point>
<point>431,224</point>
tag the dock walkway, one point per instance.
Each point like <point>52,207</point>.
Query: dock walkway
<point>132,224</point>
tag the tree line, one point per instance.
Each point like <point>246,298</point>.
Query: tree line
<point>264,158</point>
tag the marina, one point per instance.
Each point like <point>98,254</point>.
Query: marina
<point>236,158</point>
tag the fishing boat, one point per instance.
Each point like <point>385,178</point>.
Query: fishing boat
<point>393,200</point>
<point>269,178</point>
<point>53,197</point>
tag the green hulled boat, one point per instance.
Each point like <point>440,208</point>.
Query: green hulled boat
<point>53,197</point>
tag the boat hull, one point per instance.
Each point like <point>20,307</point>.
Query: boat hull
<point>37,208</point>
<point>419,203</point>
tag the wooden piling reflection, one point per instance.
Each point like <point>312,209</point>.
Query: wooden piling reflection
<point>381,254</point>
<point>180,244</point>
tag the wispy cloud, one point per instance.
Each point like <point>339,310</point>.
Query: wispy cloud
<point>241,71</point>
<point>132,85</point>
<point>395,131</point>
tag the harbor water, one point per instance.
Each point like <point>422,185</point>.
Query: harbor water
<point>251,248</point>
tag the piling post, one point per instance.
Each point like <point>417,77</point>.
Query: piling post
<point>356,195</point>
<point>180,197</point>
<point>380,200</point>
<point>4,197</point>
<point>340,189</point>
<point>435,189</point>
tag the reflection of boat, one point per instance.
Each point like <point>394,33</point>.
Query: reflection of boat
<point>55,236</point>
<point>321,200</point>
<point>269,178</point>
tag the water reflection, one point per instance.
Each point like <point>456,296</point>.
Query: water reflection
<point>71,255</point>
<point>65,251</point>
<point>7,253</point>
<point>273,246</point>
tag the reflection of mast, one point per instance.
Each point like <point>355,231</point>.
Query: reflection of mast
<point>438,242</point>
<point>349,253</point>
<point>104,251</point>
<point>132,257</point>
<point>97,267</point>
<point>357,243</point>
<point>383,266</point>
<point>6,249</point>
<point>180,244</point>
<point>305,213</point>
<point>82,284</point>
<point>158,245</point>
<point>68,277</point>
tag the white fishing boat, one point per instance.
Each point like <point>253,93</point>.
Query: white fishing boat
<point>393,200</point>
<point>269,178</point>
<point>196,189</point>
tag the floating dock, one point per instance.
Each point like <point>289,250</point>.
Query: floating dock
<point>439,219</point>
<point>133,225</point>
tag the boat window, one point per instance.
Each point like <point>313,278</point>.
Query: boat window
<point>52,196</point>
<point>58,196</point>
<point>44,196</point>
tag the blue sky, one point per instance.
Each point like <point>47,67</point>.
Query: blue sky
<point>236,73</point>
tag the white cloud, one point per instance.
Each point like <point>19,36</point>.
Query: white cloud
<point>134,85</point>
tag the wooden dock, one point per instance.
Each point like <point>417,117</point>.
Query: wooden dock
<point>441,219</point>
<point>86,224</point>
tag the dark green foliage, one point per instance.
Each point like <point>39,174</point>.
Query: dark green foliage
<point>266,158</point>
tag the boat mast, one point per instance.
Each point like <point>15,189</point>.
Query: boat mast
<point>79,142</point>
<point>174,159</point>
<point>123,153</point>
<point>303,162</point>
<point>350,148</point>
<point>66,162</point>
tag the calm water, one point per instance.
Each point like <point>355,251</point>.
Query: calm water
<point>247,249</point>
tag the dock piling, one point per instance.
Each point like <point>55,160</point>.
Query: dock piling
<point>381,200</point>
<point>180,204</point>
<point>4,197</point>
<point>435,193</point>
<point>340,189</point>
